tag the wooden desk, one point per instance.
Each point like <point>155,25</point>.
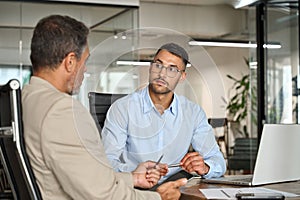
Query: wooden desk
<point>191,190</point>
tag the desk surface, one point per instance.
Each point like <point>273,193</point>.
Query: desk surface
<point>191,190</point>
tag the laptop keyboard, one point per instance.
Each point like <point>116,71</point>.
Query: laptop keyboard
<point>247,178</point>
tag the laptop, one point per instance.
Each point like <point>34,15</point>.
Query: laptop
<point>278,158</point>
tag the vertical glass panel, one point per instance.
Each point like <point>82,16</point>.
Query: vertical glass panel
<point>18,19</point>
<point>282,70</point>
<point>11,64</point>
<point>253,74</point>
<point>103,75</point>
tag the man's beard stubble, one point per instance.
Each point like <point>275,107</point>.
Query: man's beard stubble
<point>155,91</point>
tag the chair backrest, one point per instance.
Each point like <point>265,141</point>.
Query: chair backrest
<point>99,104</point>
<point>220,126</point>
<point>245,147</point>
<point>218,122</point>
<point>244,155</point>
<point>12,146</point>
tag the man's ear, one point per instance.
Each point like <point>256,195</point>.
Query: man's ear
<point>70,61</point>
<point>182,77</point>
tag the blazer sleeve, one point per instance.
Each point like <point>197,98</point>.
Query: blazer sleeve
<point>73,151</point>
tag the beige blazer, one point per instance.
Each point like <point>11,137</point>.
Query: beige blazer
<point>65,150</point>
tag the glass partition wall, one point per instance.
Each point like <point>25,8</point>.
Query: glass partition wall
<point>18,18</point>
<point>282,65</point>
<point>274,72</point>
<point>278,80</point>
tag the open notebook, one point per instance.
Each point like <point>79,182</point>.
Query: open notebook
<point>278,158</point>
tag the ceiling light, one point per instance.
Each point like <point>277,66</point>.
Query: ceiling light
<point>115,34</point>
<point>243,3</point>
<point>232,44</point>
<point>138,63</point>
<point>124,36</point>
<point>135,63</point>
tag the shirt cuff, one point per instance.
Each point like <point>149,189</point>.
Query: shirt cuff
<point>209,174</point>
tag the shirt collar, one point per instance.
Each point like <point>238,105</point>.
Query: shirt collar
<point>174,105</point>
<point>148,104</point>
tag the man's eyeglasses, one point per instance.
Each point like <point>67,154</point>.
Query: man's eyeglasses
<point>170,71</point>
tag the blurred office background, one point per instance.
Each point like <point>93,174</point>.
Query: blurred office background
<point>126,33</point>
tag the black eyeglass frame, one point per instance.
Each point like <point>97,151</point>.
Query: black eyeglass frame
<point>167,69</point>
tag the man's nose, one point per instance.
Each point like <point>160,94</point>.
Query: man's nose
<point>163,71</point>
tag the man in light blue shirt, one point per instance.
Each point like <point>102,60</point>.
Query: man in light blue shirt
<point>154,121</point>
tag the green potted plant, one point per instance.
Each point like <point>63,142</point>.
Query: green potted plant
<point>243,102</point>
<point>238,104</point>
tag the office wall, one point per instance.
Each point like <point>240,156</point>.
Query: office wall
<point>229,61</point>
<point>196,21</point>
<point>206,22</point>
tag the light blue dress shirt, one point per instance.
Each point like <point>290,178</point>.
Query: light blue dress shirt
<point>134,132</point>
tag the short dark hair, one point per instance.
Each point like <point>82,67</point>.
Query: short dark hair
<point>54,37</point>
<point>176,50</point>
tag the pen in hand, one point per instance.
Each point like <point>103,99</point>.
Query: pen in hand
<point>174,165</point>
<point>158,160</point>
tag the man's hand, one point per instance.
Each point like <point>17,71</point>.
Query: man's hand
<point>194,162</point>
<point>147,174</point>
<point>170,190</point>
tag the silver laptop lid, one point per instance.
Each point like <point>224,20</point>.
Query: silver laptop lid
<point>278,158</point>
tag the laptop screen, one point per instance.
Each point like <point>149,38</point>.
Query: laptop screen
<point>278,158</point>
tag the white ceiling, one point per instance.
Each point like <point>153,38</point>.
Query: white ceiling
<point>233,3</point>
<point>194,2</point>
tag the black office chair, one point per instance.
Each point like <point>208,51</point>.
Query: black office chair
<point>222,139</point>
<point>243,156</point>
<point>14,159</point>
<point>99,104</point>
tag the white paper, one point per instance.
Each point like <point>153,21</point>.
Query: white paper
<point>229,193</point>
